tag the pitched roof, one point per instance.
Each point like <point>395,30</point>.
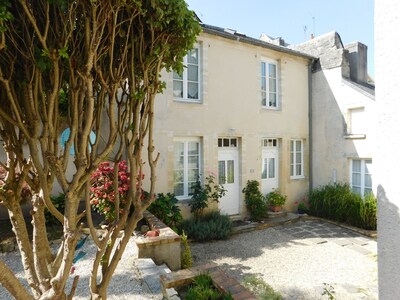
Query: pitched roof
<point>235,35</point>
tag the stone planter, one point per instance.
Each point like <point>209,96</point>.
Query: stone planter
<point>275,208</point>
<point>165,248</point>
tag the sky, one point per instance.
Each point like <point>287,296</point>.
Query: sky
<point>293,20</point>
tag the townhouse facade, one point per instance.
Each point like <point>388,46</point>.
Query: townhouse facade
<point>238,111</point>
<point>342,112</point>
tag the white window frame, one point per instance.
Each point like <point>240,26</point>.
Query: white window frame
<point>362,175</point>
<point>185,80</point>
<point>265,79</point>
<point>185,142</point>
<point>293,161</point>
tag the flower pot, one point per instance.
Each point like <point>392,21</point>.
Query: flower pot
<point>275,208</point>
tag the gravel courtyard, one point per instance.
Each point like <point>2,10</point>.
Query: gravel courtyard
<point>297,259</point>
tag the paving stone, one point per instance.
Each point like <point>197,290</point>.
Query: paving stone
<point>321,231</point>
<point>319,241</point>
<point>342,242</point>
<point>359,249</point>
<point>359,241</point>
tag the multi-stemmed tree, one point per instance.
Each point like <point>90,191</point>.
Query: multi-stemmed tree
<point>91,66</point>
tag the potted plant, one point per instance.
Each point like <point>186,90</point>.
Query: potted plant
<point>276,200</point>
<point>303,206</point>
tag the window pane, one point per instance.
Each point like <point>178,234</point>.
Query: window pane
<point>178,163</point>
<point>272,85</point>
<point>298,145</point>
<point>219,142</point>
<point>291,146</point>
<point>178,176</point>
<point>298,170</point>
<point>271,168</point>
<point>178,89</point>
<point>193,148</point>
<point>264,169</point>
<point>367,191</point>
<point>356,165</point>
<point>368,164</point>
<point>193,90</point>
<point>178,148</point>
<point>193,162</point>
<point>356,190</point>
<point>263,98</point>
<point>356,179</point>
<point>193,175</point>
<point>263,85</point>
<point>233,142</point>
<point>221,172</point>
<point>226,142</point>
<point>193,56</point>
<point>178,189</point>
<point>367,181</point>
<point>272,70</point>
<point>272,99</point>
<point>298,157</point>
<point>231,171</point>
<point>263,69</point>
<point>176,76</point>
<point>193,73</point>
<point>291,170</point>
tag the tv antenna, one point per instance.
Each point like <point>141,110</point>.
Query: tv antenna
<point>305,31</point>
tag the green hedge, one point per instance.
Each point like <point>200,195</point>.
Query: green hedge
<point>338,203</point>
<point>212,226</point>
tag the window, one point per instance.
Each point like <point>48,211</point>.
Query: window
<point>227,142</point>
<point>270,143</point>
<point>361,178</point>
<point>187,86</point>
<point>356,123</point>
<point>296,159</point>
<point>186,166</point>
<point>269,84</point>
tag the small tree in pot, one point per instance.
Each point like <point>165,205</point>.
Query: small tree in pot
<point>276,200</point>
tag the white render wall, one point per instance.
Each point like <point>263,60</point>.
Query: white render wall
<point>387,74</point>
<point>332,97</point>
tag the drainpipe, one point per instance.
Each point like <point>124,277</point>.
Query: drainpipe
<point>310,126</point>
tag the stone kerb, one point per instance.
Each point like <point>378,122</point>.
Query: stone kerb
<point>165,248</point>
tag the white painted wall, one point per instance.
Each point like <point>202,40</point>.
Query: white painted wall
<point>387,74</point>
<point>332,150</point>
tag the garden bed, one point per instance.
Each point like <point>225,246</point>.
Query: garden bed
<point>221,281</point>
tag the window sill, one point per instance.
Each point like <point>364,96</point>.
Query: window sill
<point>297,177</point>
<point>355,136</point>
<point>190,101</point>
<point>266,108</point>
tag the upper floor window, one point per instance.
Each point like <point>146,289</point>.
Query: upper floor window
<point>296,159</point>
<point>187,86</point>
<point>186,166</point>
<point>356,121</point>
<point>361,177</point>
<point>269,84</point>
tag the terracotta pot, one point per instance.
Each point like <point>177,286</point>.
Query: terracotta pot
<point>275,208</point>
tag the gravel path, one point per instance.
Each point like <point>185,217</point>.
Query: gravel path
<point>125,283</point>
<point>295,265</point>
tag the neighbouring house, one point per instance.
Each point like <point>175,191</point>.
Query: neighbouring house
<point>343,109</point>
<point>239,111</point>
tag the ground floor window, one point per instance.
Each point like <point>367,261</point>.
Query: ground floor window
<point>296,159</point>
<point>186,166</point>
<point>361,177</point>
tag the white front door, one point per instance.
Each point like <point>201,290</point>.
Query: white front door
<point>228,176</point>
<point>270,170</point>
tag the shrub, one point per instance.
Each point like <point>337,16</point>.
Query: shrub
<point>203,288</point>
<point>59,203</point>
<point>102,193</point>
<point>260,288</point>
<point>166,209</point>
<point>276,198</point>
<point>211,226</point>
<point>254,200</point>
<point>202,195</point>
<point>337,202</point>
<point>186,254</point>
